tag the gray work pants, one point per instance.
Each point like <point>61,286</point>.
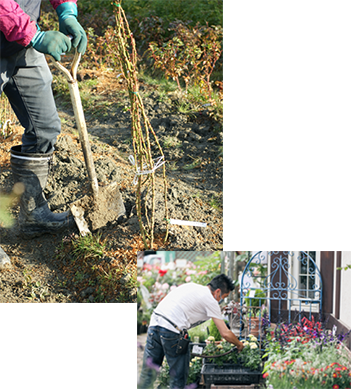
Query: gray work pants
<point>26,80</point>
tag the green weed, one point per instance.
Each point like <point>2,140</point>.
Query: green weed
<point>35,290</point>
<point>171,141</point>
<point>89,246</point>
<point>193,165</point>
<point>215,203</point>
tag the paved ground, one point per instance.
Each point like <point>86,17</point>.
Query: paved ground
<point>141,345</point>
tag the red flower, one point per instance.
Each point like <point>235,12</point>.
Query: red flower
<point>265,375</point>
<point>162,272</point>
<point>335,386</point>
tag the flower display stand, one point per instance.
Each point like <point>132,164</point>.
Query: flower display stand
<point>229,374</point>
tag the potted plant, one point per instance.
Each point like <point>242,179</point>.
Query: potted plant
<point>232,368</point>
<point>254,305</point>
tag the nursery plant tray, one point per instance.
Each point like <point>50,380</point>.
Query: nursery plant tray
<point>229,374</point>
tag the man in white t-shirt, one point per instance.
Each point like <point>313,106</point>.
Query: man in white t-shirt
<point>186,306</point>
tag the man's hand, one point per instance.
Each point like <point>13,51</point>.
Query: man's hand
<point>227,334</point>
<point>53,43</point>
<point>240,346</point>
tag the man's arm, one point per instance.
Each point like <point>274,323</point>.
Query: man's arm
<point>227,334</point>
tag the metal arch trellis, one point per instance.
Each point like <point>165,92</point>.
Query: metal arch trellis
<point>280,286</point>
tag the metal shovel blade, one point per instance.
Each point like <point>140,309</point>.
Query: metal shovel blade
<point>106,204</point>
<point>97,212</point>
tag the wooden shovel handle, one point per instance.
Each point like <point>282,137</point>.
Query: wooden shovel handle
<point>71,77</point>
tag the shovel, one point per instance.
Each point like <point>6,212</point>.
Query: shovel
<point>106,204</point>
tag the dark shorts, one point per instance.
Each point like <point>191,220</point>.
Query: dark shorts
<point>26,80</point>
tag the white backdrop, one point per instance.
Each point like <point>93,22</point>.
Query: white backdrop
<point>287,121</point>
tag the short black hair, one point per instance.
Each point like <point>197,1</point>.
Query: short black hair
<point>222,282</point>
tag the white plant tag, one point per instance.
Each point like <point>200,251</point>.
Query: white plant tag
<point>197,349</point>
<point>334,329</point>
<point>187,223</point>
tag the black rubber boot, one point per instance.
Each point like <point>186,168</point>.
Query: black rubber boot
<point>35,217</point>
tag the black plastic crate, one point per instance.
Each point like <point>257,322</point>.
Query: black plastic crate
<point>229,374</point>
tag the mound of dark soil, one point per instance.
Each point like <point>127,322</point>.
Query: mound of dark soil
<point>192,148</point>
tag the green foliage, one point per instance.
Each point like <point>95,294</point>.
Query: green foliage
<point>201,331</point>
<point>194,370</point>
<point>5,216</point>
<point>163,379</point>
<point>207,268</point>
<point>306,365</point>
<point>214,331</point>
<point>256,301</point>
<point>191,55</point>
<point>89,246</point>
<point>216,349</point>
<point>202,11</point>
<point>345,267</point>
<point>249,357</point>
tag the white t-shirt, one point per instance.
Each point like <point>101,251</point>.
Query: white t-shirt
<point>186,306</point>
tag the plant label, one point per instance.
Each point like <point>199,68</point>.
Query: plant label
<point>334,329</point>
<point>197,349</point>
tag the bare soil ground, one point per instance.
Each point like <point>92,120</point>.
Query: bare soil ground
<point>41,270</point>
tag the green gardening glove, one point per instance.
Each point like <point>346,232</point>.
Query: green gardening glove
<point>68,25</point>
<point>53,43</point>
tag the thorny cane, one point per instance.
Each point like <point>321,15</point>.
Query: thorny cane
<point>141,129</point>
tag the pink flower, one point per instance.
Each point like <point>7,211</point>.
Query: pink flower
<point>173,287</point>
<point>188,279</point>
<point>165,286</point>
<point>140,279</point>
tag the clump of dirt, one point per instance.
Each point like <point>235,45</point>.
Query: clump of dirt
<point>192,147</point>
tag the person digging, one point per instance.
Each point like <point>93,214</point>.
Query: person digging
<point>183,308</point>
<point>26,81</point>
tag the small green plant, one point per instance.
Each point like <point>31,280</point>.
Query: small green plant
<point>217,349</point>
<point>79,276</point>
<point>255,303</point>
<point>172,166</point>
<point>35,290</point>
<point>345,267</point>
<point>171,142</point>
<point>214,331</point>
<point>215,203</point>
<point>89,246</point>
<point>195,164</point>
